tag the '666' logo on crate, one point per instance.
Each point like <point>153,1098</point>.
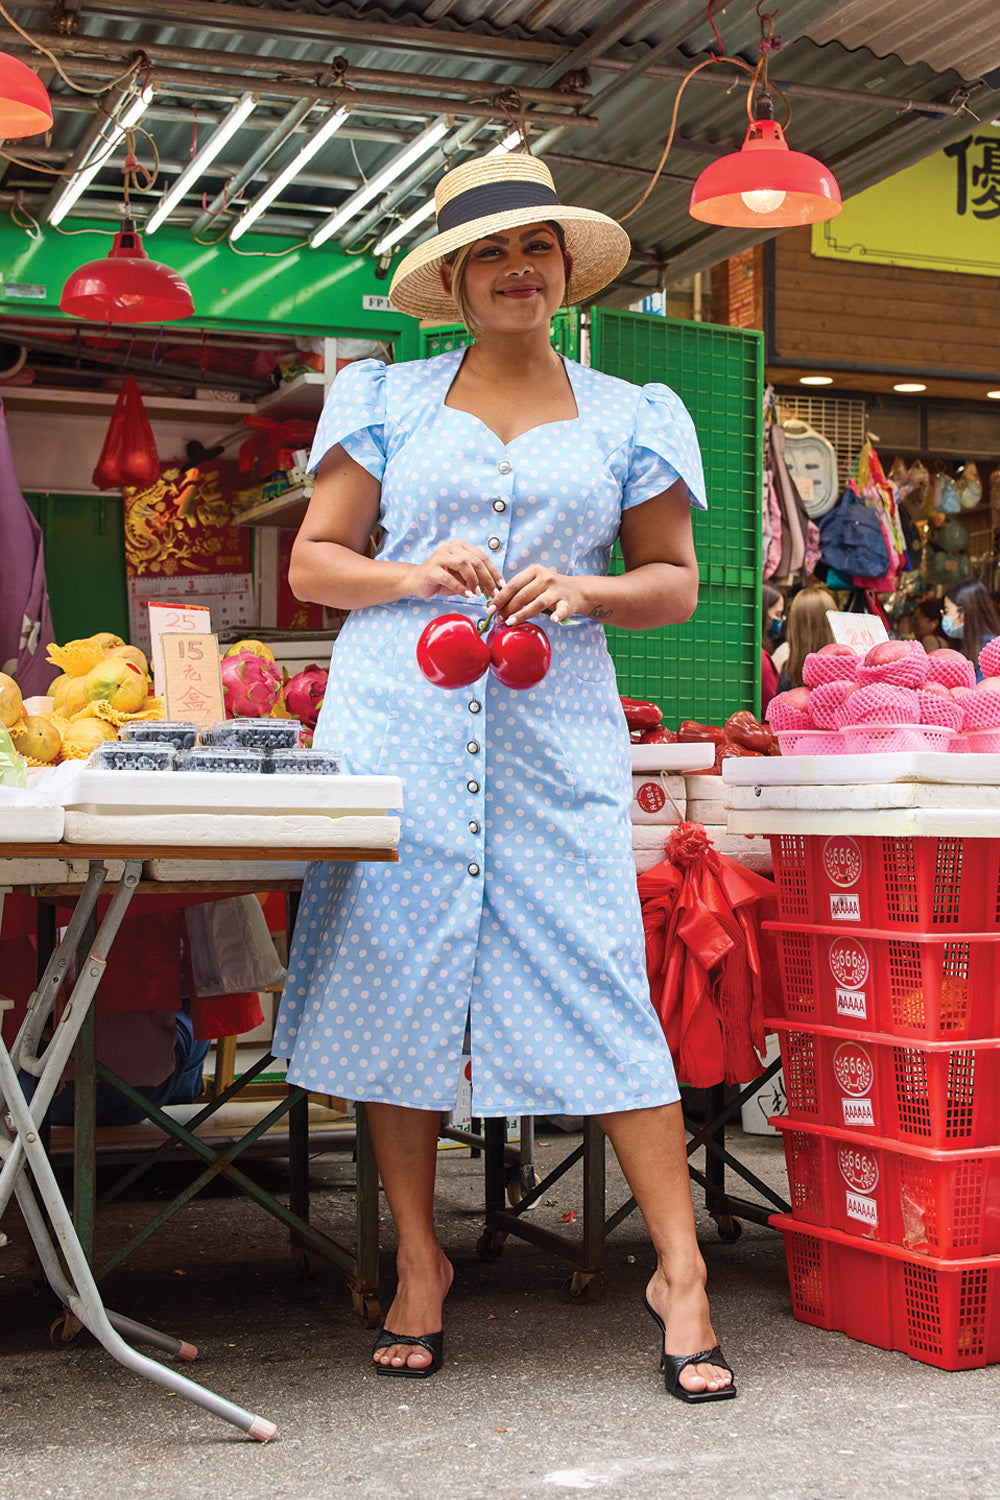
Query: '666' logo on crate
<point>853,1069</point>
<point>858,1168</point>
<point>849,962</point>
<point>842,861</point>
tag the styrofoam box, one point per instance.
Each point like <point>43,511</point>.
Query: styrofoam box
<point>753,853</point>
<point>649,844</point>
<point>706,799</point>
<point>30,823</point>
<point>871,796</point>
<point>677,758</point>
<point>238,870</point>
<point>846,770</point>
<point>895,822</point>
<point>658,798</point>
<point>54,871</point>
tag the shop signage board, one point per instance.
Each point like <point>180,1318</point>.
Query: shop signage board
<point>953,195</point>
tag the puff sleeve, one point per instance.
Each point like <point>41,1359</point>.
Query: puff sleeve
<point>664,449</point>
<point>354,416</point>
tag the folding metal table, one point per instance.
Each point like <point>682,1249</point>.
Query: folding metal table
<point>25,1170</point>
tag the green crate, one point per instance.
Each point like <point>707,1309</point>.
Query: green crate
<point>565,336</point>
<point>709,666</point>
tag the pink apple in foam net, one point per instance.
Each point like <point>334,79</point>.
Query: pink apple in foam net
<point>798,698</point>
<point>960,692</point>
<point>888,651</point>
<point>937,689</point>
<point>836,648</point>
<point>989,683</point>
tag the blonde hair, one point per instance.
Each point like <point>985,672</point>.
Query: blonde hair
<point>807,628</point>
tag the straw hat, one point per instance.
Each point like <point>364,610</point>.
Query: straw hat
<point>488,195</point>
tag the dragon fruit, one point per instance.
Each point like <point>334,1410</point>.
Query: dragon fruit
<point>251,686</point>
<point>304,694</point>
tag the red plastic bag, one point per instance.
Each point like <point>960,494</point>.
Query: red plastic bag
<point>129,455</point>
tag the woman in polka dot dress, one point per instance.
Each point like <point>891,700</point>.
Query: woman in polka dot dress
<point>500,477</point>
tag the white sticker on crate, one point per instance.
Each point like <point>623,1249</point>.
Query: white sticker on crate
<point>852,1003</point>
<point>863,1209</point>
<point>845,906</point>
<point>842,861</point>
<point>858,1112</point>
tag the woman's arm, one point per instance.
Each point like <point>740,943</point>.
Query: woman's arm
<point>659,585</point>
<point>328,563</point>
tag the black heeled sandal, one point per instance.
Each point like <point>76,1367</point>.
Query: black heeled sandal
<point>673,1364</point>
<point>432,1342</point>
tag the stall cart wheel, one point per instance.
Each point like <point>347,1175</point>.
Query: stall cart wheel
<point>307,1261</point>
<point>490,1243</point>
<point>729,1228</point>
<point>582,1286</point>
<point>65,1330</point>
<point>368,1308</point>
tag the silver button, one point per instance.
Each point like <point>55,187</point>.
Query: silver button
<point>494,544</point>
<point>475,707</point>
<point>473,869</point>
<point>473,786</point>
<point>473,827</point>
<point>473,747</point>
<point>499,505</point>
<point>503,466</point>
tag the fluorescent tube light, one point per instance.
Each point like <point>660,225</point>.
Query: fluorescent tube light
<point>319,138</point>
<point>202,160</point>
<point>393,169</point>
<point>425,210</point>
<point>111,132</point>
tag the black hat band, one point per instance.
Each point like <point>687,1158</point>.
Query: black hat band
<point>493,198</point>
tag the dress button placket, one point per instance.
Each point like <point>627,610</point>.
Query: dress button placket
<point>500,503</point>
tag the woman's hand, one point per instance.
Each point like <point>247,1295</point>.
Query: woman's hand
<point>537,590</point>
<point>456,567</point>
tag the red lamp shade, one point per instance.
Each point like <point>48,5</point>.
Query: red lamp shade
<point>24,104</point>
<point>126,287</point>
<point>764,185</point>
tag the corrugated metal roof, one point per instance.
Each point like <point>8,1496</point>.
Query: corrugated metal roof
<point>872,87</point>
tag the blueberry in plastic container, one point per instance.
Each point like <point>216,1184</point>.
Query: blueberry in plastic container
<point>177,732</point>
<point>120,755</point>
<point>303,763</point>
<point>253,734</point>
<point>220,758</point>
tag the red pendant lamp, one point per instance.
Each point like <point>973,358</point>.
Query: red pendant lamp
<point>764,185</point>
<point>24,104</point>
<point>126,286</point>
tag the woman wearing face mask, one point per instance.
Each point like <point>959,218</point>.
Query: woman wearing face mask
<point>969,620</point>
<point>773,619</point>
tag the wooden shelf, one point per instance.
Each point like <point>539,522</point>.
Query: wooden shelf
<point>302,397</point>
<point>286,509</point>
<point>95,403</point>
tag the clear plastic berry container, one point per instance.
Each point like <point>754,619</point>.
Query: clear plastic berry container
<point>253,734</point>
<point>303,762</point>
<point>221,758</point>
<point>176,732</point>
<point>123,755</point>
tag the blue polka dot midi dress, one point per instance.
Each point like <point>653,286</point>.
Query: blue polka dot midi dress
<point>513,904</point>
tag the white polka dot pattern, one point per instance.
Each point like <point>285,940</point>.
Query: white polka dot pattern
<point>514,900</point>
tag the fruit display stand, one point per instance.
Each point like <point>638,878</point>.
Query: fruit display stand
<point>665,790</point>
<point>117,834</point>
<point>887,869</point>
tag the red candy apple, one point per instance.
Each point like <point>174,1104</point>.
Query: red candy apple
<point>451,653</point>
<point>519,654</point>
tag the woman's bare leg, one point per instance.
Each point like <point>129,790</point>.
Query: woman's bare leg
<point>405,1142</point>
<point>650,1146</point>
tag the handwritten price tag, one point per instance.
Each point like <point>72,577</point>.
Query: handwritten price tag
<point>184,619</point>
<point>860,632</point>
<point>192,680</point>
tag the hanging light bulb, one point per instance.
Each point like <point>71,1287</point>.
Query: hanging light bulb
<point>764,184</point>
<point>126,286</point>
<point>24,103</point>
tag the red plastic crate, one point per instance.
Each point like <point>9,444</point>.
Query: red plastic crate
<point>940,1094</point>
<point>940,1203</point>
<point>944,1313</point>
<point>925,884</point>
<point>925,986</point>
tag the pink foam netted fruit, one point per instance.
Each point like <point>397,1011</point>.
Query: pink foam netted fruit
<point>819,668</point>
<point>825,699</point>
<point>951,668</point>
<point>989,658</point>
<point>936,708</point>
<point>784,714</point>
<point>878,703</point>
<point>901,663</point>
<point>981,709</point>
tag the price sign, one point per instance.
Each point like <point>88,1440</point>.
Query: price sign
<point>860,632</point>
<point>192,681</point>
<point>184,619</point>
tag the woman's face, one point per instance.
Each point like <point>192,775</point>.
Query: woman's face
<point>514,281</point>
<point>952,611</point>
<point>775,612</point>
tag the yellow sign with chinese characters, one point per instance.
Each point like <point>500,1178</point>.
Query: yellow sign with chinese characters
<point>192,678</point>
<point>942,214</point>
